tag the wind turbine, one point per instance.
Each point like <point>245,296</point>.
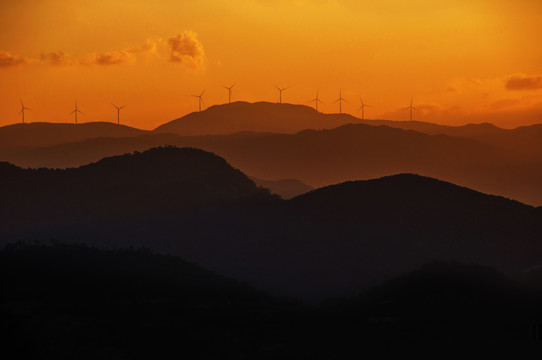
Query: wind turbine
<point>280,92</point>
<point>410,108</point>
<point>229,92</point>
<point>340,100</point>
<point>23,108</point>
<point>200,99</point>
<point>118,111</point>
<point>362,107</point>
<point>316,100</point>
<point>75,112</point>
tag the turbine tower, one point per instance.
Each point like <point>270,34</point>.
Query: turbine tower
<point>200,99</point>
<point>23,108</point>
<point>316,100</point>
<point>118,111</point>
<point>340,100</point>
<point>410,108</point>
<point>280,92</point>
<point>229,92</point>
<point>75,112</point>
<point>362,107</point>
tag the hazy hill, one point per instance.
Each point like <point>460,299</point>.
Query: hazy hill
<point>259,117</point>
<point>46,134</point>
<point>469,130</point>
<point>159,179</point>
<point>286,188</point>
<point>323,157</point>
<point>526,140</point>
<point>289,118</point>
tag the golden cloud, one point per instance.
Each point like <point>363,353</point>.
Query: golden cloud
<point>9,60</point>
<point>524,82</point>
<point>186,49</point>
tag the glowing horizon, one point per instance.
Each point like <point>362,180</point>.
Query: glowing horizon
<point>461,62</point>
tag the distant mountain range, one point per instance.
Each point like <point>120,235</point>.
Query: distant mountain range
<point>482,156</point>
<point>330,241</point>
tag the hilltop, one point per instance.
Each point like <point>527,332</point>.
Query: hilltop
<point>258,117</point>
<point>156,180</point>
<point>46,134</point>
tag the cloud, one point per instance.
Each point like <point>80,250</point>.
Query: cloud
<point>524,82</point>
<point>57,58</point>
<point>150,46</point>
<point>9,60</point>
<point>183,48</point>
<point>186,49</point>
<point>108,58</point>
<point>60,58</point>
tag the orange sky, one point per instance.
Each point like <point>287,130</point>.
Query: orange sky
<point>462,60</point>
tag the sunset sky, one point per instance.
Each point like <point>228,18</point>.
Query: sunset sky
<point>461,60</point>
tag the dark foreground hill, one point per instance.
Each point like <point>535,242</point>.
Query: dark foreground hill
<point>72,301</point>
<point>331,241</point>
<point>157,180</point>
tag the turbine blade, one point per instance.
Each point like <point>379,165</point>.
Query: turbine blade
<point>231,87</point>
<point>202,92</point>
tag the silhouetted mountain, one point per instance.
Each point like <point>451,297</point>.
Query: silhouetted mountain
<point>289,118</point>
<point>259,117</point>
<point>469,130</point>
<point>324,157</point>
<point>160,179</point>
<point>330,241</point>
<point>286,188</point>
<point>525,140</point>
<point>38,134</point>
<point>72,301</point>
<point>444,303</point>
